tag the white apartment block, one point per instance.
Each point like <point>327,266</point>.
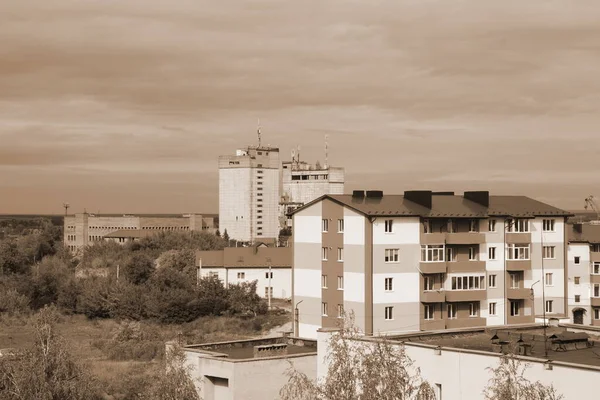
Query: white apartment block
<point>427,261</point>
<point>271,267</point>
<point>249,192</point>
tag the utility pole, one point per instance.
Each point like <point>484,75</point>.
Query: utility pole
<point>66,206</point>
<point>544,296</point>
<point>198,269</point>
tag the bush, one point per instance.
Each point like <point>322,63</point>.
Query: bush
<point>13,303</point>
<point>96,298</point>
<point>132,341</point>
<point>138,268</point>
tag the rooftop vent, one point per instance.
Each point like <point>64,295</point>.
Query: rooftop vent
<point>421,197</point>
<point>358,194</point>
<point>578,227</point>
<point>443,193</point>
<point>568,341</point>
<point>374,194</point>
<point>270,350</point>
<point>481,197</point>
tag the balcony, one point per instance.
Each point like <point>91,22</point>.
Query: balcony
<point>469,322</point>
<point>518,265</point>
<point>453,296</point>
<point>518,293</point>
<point>433,238</point>
<point>466,266</point>
<point>594,256</point>
<point>433,324</point>
<point>518,237</point>
<point>595,301</point>
<point>465,238</point>
<point>433,296</point>
<point>594,278</point>
<point>433,267</point>
<point>521,319</point>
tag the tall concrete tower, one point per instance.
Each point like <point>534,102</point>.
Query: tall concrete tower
<point>249,193</point>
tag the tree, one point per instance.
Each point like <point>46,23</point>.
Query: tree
<point>138,268</point>
<point>226,236</point>
<point>218,233</point>
<point>242,298</point>
<point>174,382</point>
<point>12,260</point>
<point>363,370</point>
<point>46,371</point>
<point>179,260</point>
<point>509,383</point>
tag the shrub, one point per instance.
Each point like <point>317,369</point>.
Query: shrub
<point>13,303</point>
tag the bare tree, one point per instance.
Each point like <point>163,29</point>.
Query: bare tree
<point>508,382</point>
<point>174,382</point>
<point>361,370</point>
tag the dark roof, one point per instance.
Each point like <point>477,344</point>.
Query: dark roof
<point>589,233</point>
<point>444,205</point>
<point>245,257</point>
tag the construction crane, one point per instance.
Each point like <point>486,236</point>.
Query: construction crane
<point>590,203</point>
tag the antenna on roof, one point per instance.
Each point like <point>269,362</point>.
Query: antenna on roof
<point>66,206</point>
<point>326,152</point>
<point>258,131</point>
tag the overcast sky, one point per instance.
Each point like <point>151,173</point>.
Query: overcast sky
<point>125,105</point>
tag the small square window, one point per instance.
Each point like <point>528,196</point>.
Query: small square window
<point>389,313</point>
<point>577,298</point>
<point>576,280</point>
<point>577,259</point>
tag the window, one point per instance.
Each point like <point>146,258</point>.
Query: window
<point>548,225</point>
<point>389,284</point>
<point>427,226</point>
<point>450,254</point>
<point>324,309</point>
<point>340,225</point>
<point>549,306</point>
<point>492,308</point>
<point>389,225</point>
<point>428,282</point>
<point>473,253</point>
<point>389,313</point>
<point>548,252</point>
<point>549,279</point>
<point>492,281</point>
<point>325,225</point>
<point>468,282</point>
<point>451,311</point>
<point>491,253</point>
<point>576,280</point>
<point>595,248</point>
<point>324,281</point>
<point>391,255</point>
<point>268,291</point>
<point>518,252</point>
<point>432,253</point>
<point>514,308</point>
<point>596,292</point>
<point>596,313</point>
<point>595,268</point>
<point>451,226</point>
<point>429,310</point>
<point>340,254</point>
<point>324,253</point>
<point>492,225</point>
<point>576,259</point>
<point>241,275</point>
<point>473,309</point>
<point>518,225</point>
<point>340,311</point>
<point>473,225</point>
<point>340,283</point>
<point>514,280</point>
<point>577,298</point>
<point>268,275</point>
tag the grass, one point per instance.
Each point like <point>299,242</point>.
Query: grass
<point>120,372</point>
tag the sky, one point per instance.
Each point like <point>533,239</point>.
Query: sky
<point>125,105</point>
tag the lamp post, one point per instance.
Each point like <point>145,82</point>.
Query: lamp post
<point>297,318</point>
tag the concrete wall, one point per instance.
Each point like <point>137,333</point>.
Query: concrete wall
<point>584,288</point>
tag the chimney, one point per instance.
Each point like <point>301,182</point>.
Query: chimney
<point>421,197</point>
<point>358,194</point>
<point>481,197</point>
<point>374,194</point>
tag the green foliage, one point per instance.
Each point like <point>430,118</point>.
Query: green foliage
<point>129,301</point>
<point>179,260</point>
<point>174,382</point>
<point>132,341</point>
<point>243,299</point>
<point>46,371</point>
<point>138,268</point>
<point>96,298</point>
<point>226,236</point>
<point>12,260</point>
<point>13,303</point>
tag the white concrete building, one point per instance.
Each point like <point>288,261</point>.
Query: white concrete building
<point>248,369</point>
<point>249,192</point>
<point>427,261</point>
<point>457,363</point>
<point>271,267</point>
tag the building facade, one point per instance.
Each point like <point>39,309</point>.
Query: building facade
<point>427,261</point>
<point>584,274</point>
<point>303,183</point>
<point>249,191</point>
<point>85,229</point>
<point>271,267</point>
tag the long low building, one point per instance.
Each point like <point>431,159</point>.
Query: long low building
<point>85,229</point>
<point>270,266</point>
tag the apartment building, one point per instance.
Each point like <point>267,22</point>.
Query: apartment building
<point>427,261</point>
<point>584,273</point>
<point>271,267</point>
<point>84,229</point>
<point>249,192</point>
